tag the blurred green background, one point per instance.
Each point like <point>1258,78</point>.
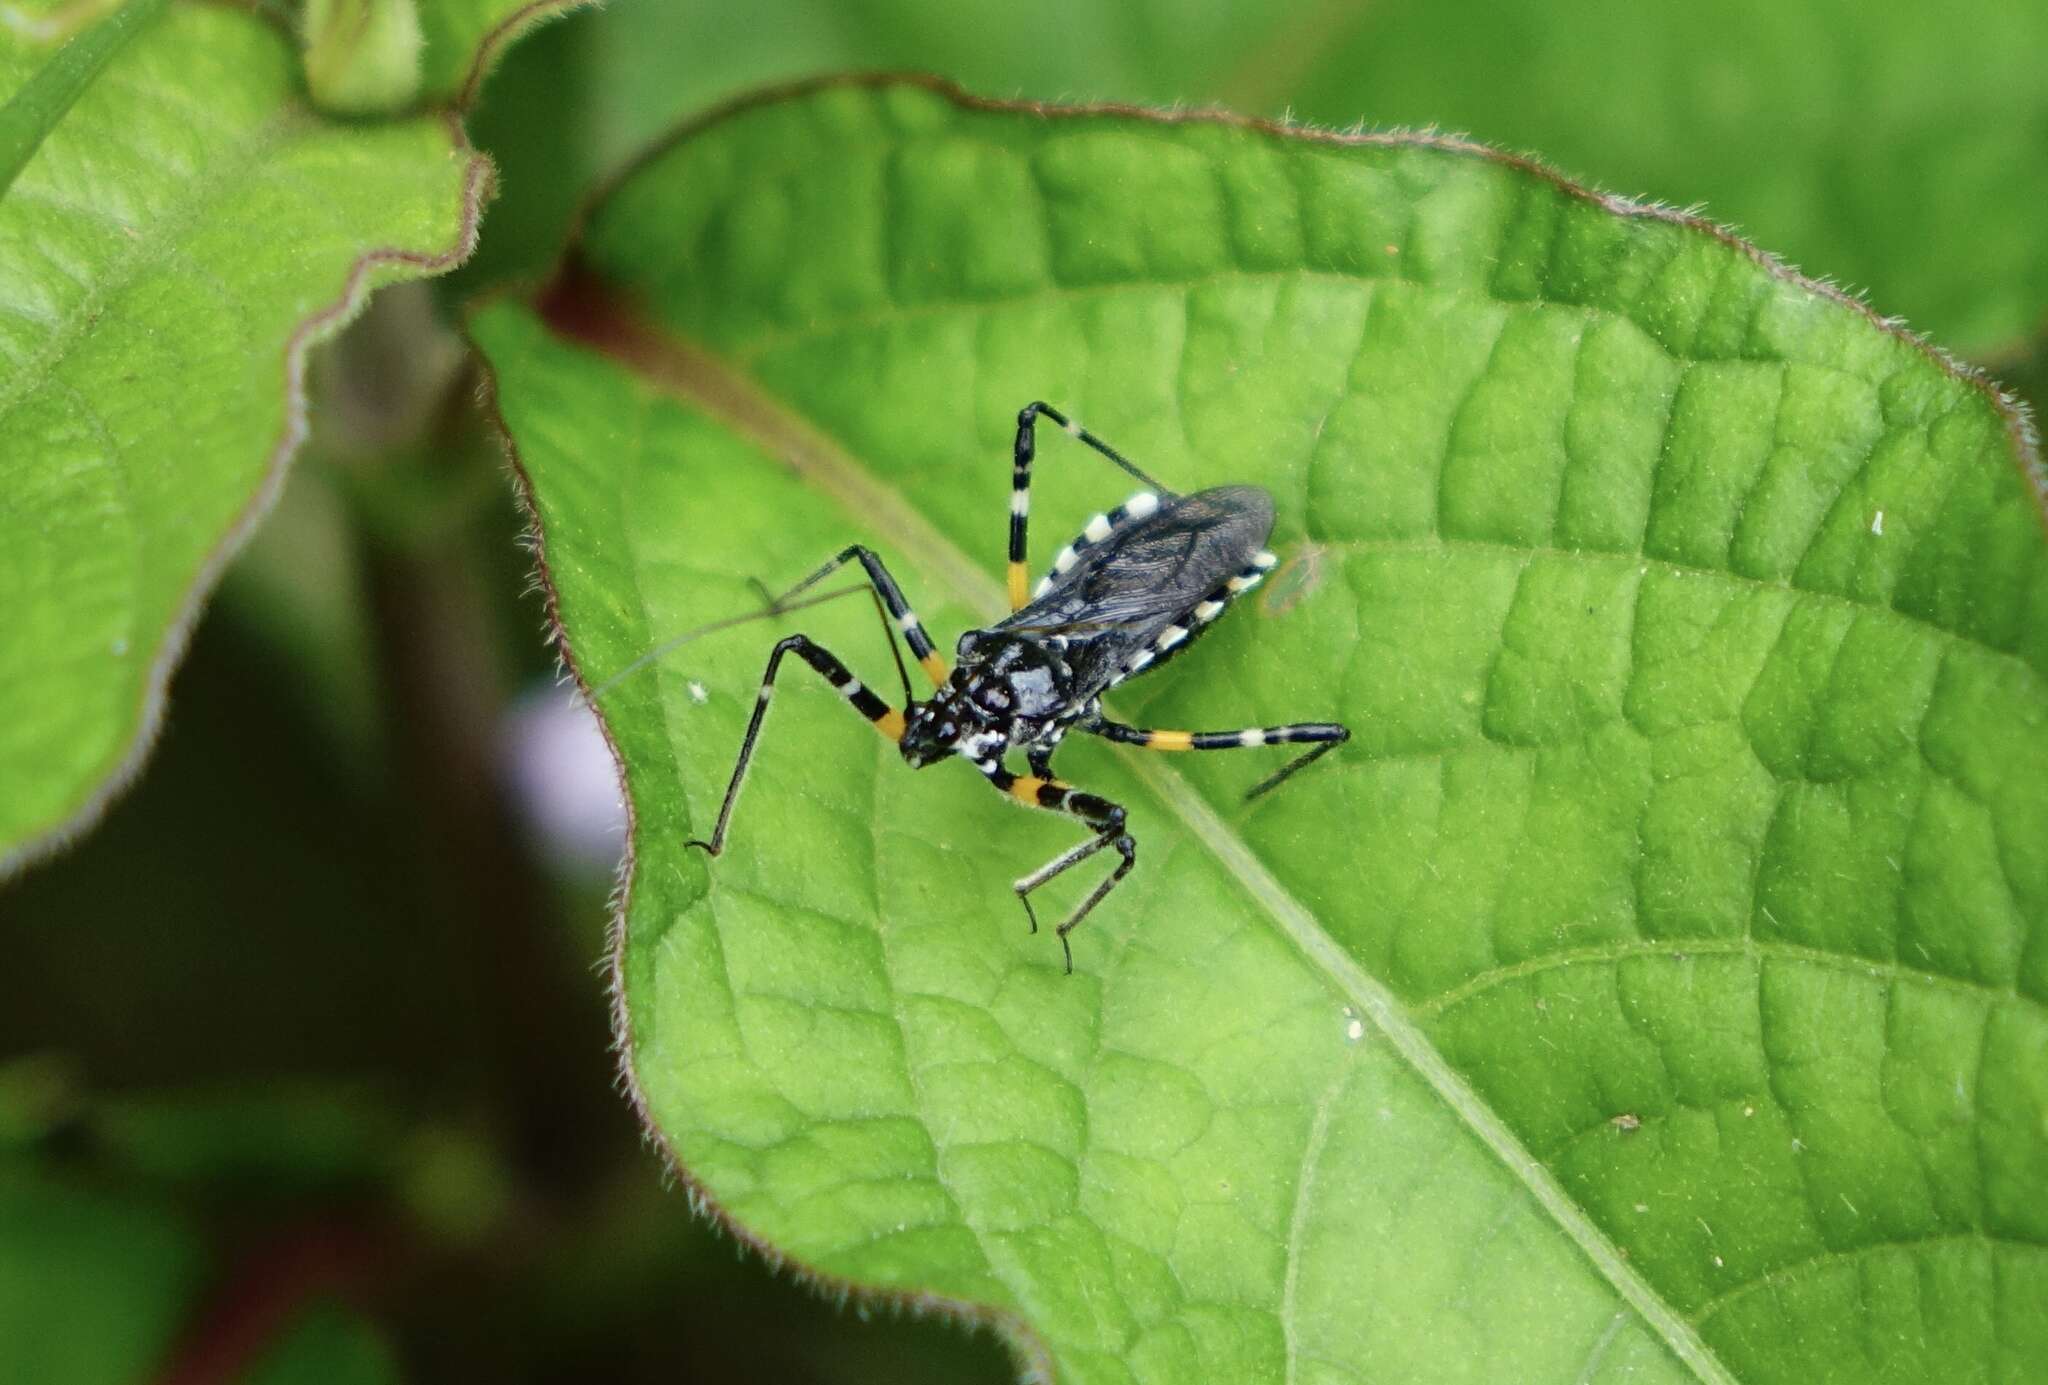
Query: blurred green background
<point>263,1115</point>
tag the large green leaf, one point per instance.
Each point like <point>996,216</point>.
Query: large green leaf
<point>1894,146</point>
<point>167,259</point>
<point>1653,989</point>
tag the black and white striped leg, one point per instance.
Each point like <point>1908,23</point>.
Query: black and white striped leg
<point>772,605</point>
<point>1107,820</point>
<point>1020,487</point>
<point>1326,736</point>
<point>892,597</point>
<point>885,718</point>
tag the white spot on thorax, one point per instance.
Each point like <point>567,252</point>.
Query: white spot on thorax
<point>1097,530</point>
<point>1067,558</point>
<point>1142,504</point>
<point>1171,636</point>
<point>1265,562</point>
<point>1208,610</point>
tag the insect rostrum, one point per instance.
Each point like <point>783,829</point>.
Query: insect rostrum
<point>1136,587</point>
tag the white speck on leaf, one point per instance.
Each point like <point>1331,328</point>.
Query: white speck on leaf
<point>120,646</point>
<point>697,693</point>
<point>1877,523</point>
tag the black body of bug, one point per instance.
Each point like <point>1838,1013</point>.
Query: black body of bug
<point>1137,587</point>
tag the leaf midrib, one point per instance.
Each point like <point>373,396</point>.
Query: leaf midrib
<point>698,376</point>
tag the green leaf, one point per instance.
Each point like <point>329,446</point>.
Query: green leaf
<point>465,38</point>
<point>173,250</point>
<point>1900,149</point>
<point>277,1139</point>
<point>92,1288</point>
<point>326,1344</point>
<point>34,110</point>
<point>1652,989</point>
<point>381,56</point>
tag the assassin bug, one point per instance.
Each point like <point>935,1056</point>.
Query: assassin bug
<point>1133,590</point>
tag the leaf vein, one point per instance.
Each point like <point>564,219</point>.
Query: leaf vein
<point>773,425</point>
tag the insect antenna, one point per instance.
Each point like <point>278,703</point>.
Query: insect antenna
<point>769,611</point>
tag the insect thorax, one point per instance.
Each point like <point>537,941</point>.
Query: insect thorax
<point>1007,691</point>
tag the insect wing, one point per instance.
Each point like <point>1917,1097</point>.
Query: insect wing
<point>1145,577</point>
